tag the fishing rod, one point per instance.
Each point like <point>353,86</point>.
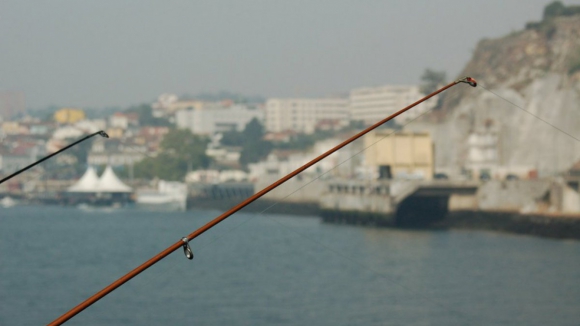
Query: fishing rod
<point>101,133</point>
<point>184,242</point>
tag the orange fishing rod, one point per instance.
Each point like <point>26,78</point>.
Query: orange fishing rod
<point>184,242</point>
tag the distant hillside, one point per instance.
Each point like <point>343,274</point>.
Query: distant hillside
<point>537,68</point>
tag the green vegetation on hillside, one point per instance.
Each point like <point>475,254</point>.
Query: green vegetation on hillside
<point>254,148</point>
<point>431,80</point>
<point>557,8</point>
<point>551,11</point>
<point>180,151</point>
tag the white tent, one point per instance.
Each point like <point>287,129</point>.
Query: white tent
<point>109,182</point>
<point>87,183</point>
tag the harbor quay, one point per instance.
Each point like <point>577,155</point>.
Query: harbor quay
<point>535,207</point>
<point>542,207</point>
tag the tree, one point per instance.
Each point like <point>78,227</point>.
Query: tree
<point>554,9</point>
<point>254,147</point>
<point>557,8</point>
<point>253,131</point>
<point>232,138</point>
<point>180,151</point>
<point>255,151</point>
<point>432,80</point>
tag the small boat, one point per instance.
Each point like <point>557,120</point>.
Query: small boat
<point>7,202</point>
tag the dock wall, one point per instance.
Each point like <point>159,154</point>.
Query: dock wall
<point>550,226</point>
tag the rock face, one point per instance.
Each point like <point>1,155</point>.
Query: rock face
<point>537,69</point>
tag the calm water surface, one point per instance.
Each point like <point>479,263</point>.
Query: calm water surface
<point>266,269</point>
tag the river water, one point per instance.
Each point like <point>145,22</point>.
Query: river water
<point>277,269</point>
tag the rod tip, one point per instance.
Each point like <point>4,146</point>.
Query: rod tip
<point>103,134</point>
<point>468,80</point>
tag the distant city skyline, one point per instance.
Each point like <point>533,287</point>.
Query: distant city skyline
<point>108,53</point>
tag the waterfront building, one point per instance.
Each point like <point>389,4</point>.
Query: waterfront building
<point>372,104</point>
<point>399,155</point>
<point>124,120</point>
<point>217,117</point>
<point>482,152</point>
<point>573,177</point>
<point>18,153</point>
<point>115,153</point>
<point>215,176</point>
<point>67,132</point>
<point>303,115</point>
<point>12,161</point>
<point>39,129</point>
<point>14,128</point>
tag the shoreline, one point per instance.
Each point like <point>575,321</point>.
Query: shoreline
<point>540,225</point>
<point>554,226</point>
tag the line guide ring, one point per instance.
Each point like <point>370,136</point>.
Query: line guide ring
<point>468,80</point>
<point>186,248</point>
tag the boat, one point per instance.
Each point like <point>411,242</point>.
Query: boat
<point>169,196</point>
<point>7,202</point>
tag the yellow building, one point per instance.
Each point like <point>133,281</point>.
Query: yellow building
<point>115,132</point>
<point>183,105</point>
<point>400,154</point>
<point>69,115</point>
<point>13,128</point>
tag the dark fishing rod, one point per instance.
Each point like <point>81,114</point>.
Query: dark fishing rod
<point>102,133</point>
<point>184,242</point>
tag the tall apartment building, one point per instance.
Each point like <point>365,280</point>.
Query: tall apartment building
<point>213,117</point>
<point>303,115</point>
<point>11,104</point>
<point>372,104</point>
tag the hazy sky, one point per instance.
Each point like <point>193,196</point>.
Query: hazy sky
<point>118,53</point>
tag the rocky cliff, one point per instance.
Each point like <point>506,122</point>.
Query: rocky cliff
<point>538,69</point>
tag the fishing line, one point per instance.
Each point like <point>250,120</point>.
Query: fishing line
<point>276,202</point>
<point>530,113</point>
<point>387,278</point>
<point>253,216</point>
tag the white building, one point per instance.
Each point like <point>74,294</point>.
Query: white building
<point>215,176</point>
<point>280,163</point>
<point>115,153</point>
<point>372,104</point>
<point>303,115</point>
<point>164,101</point>
<point>212,118</point>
